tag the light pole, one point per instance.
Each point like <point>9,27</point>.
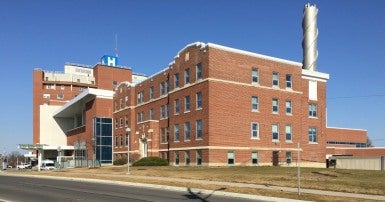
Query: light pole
<point>128,149</point>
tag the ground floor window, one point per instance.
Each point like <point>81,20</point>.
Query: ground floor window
<point>187,157</point>
<point>176,158</point>
<point>288,157</point>
<point>199,157</point>
<point>254,158</point>
<point>230,157</point>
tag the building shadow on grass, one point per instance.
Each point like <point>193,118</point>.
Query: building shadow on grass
<point>199,195</point>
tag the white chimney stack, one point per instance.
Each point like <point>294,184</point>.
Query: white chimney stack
<point>310,36</point>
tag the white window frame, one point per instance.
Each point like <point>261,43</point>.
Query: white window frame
<point>289,83</point>
<point>254,75</point>
<point>288,131</point>
<point>176,106</point>
<point>176,133</point>
<point>275,79</point>
<point>187,103</point>
<point>199,132</point>
<point>199,71</point>
<point>275,106</point>
<point>288,106</point>
<point>199,100</point>
<point>313,110</point>
<point>187,76</point>
<point>254,104</point>
<point>312,135</point>
<point>187,133</point>
<point>275,133</point>
<point>253,131</point>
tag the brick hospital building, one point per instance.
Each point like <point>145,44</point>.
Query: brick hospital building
<point>214,105</point>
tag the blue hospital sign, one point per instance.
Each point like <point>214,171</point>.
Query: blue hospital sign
<point>109,60</point>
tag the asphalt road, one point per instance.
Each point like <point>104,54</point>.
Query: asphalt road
<point>18,188</point>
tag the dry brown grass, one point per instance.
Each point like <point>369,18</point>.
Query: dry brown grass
<point>352,181</point>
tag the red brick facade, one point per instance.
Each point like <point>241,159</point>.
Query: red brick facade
<point>226,113</point>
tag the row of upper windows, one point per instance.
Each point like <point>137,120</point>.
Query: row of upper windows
<point>288,106</point>
<point>165,110</point>
<point>177,134</point>
<point>312,132</point>
<point>275,78</point>
<point>164,86</point>
<point>63,87</point>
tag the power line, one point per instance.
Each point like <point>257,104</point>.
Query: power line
<point>357,96</point>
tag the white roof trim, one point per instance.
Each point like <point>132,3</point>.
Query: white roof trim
<point>319,76</point>
<point>346,128</point>
<point>224,48</point>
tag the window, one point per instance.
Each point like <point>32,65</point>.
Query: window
<point>254,158</point>
<point>288,133</point>
<point>199,100</point>
<point>199,129</point>
<point>254,130</point>
<point>199,71</point>
<point>254,103</point>
<point>163,135</point>
<point>274,132</point>
<point>167,86</point>
<point>121,140</point>
<point>288,157</point>
<point>162,88</point>
<point>254,75</point>
<point>288,81</point>
<point>167,110</point>
<point>176,158</point>
<point>187,103</point>
<point>126,120</point>
<point>199,157</point>
<point>127,139</point>
<point>46,96</point>
<point>275,79</point>
<point>187,131</point>
<point>121,122</point>
<point>163,111</point>
<point>142,97</point>
<point>187,157</point>
<point>275,105</point>
<point>126,99</point>
<point>138,99</point>
<point>142,117</point>
<point>176,80</point>
<point>152,92</point>
<point>313,134</point>
<point>187,75</point>
<point>152,116</point>
<point>230,158</point>
<point>312,110</point>
<point>50,86</point>
<point>176,106</point>
<point>60,96</point>
<point>288,106</point>
<point>138,117</point>
<point>116,140</point>
<point>176,133</point>
<point>116,123</point>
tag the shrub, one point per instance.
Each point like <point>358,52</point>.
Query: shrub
<point>151,161</point>
<point>120,162</point>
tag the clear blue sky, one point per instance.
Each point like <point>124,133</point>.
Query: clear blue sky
<point>46,34</point>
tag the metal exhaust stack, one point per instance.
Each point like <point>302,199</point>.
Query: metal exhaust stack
<point>310,36</point>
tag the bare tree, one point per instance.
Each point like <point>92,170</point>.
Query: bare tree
<point>13,157</point>
<point>369,142</point>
